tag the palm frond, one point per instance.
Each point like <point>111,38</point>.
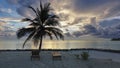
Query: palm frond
<point>57,32</point>
<point>34,24</point>
<point>56,35</point>
<point>27,19</point>
<point>33,10</point>
<point>48,34</point>
<point>47,7</point>
<point>45,12</point>
<point>38,34</point>
<point>52,22</point>
<point>38,18</point>
<point>60,35</point>
<point>24,31</point>
<point>54,29</point>
<point>41,7</point>
<point>28,38</point>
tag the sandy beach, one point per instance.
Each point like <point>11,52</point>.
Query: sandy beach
<point>97,59</point>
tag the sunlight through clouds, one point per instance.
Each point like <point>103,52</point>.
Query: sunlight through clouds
<point>77,17</point>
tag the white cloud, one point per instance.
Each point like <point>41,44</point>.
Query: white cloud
<point>9,26</point>
<point>5,10</point>
<point>7,19</point>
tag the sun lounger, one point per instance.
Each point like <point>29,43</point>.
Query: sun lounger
<point>56,55</point>
<point>35,55</point>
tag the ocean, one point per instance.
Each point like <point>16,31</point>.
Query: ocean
<point>56,44</point>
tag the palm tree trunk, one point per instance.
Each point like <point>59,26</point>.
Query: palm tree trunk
<point>41,38</point>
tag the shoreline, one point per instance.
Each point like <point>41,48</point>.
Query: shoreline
<point>93,49</point>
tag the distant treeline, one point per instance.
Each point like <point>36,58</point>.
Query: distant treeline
<point>86,49</point>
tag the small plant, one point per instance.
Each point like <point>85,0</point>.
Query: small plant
<point>85,55</point>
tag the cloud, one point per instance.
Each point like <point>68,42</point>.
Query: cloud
<point>73,8</point>
<point>91,16</point>
<point>82,12</point>
<point>12,1</point>
<point>25,12</point>
<point>3,10</point>
<point>22,6</point>
<point>94,17</point>
<point>105,29</point>
<point>9,26</point>
<point>5,29</point>
<point>114,11</point>
<point>7,19</point>
<point>20,2</point>
<point>2,23</point>
<point>97,7</point>
<point>106,23</point>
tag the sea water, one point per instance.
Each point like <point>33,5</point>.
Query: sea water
<point>55,44</point>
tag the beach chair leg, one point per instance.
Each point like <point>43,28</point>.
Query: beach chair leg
<point>56,58</point>
<point>35,58</point>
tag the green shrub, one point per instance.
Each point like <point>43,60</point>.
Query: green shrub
<point>85,55</point>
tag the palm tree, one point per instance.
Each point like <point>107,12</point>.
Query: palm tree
<point>41,26</point>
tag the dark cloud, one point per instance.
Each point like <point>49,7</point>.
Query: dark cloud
<point>25,12</point>
<point>114,11</point>
<point>105,8</point>
<point>26,2</point>
<point>88,4</point>
<point>21,2</point>
<point>78,20</point>
<point>106,23</point>
<point>13,1</point>
<point>110,33</point>
<point>89,29</point>
<point>78,33</point>
<point>23,9</point>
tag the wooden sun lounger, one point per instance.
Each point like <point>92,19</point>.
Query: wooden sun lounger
<point>56,55</point>
<point>35,55</point>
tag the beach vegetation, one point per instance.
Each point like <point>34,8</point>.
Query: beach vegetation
<point>85,55</point>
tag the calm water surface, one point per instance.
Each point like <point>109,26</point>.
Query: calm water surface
<point>66,44</point>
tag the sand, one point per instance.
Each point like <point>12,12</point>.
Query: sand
<point>21,59</point>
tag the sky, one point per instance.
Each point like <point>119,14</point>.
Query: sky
<point>99,18</point>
